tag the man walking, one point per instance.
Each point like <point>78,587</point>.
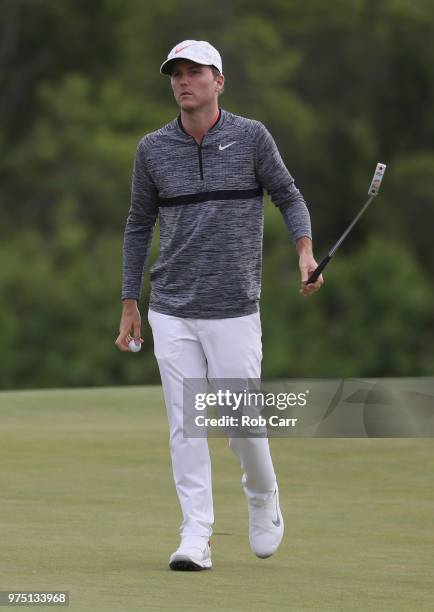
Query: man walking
<point>203,176</point>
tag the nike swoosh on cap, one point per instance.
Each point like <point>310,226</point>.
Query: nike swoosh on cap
<point>226,146</point>
<point>179,49</point>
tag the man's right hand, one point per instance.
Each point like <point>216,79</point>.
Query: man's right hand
<point>129,328</point>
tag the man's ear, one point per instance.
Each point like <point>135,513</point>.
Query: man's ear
<point>220,82</point>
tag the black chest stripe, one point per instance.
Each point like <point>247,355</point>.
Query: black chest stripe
<point>209,196</point>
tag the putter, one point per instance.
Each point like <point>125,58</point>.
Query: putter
<point>373,192</point>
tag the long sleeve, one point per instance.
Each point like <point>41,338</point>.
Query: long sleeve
<point>139,227</point>
<point>278,182</point>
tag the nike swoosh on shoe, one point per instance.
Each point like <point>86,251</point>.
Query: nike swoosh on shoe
<point>276,523</point>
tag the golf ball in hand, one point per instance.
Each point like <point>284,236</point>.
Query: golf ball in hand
<point>134,348</point>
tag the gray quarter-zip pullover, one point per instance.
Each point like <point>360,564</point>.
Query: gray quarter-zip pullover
<point>209,201</point>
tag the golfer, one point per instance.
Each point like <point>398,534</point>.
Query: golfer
<point>203,175</point>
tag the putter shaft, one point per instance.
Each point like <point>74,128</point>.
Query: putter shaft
<point>373,192</point>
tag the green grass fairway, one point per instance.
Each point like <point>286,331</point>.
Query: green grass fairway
<point>87,504</point>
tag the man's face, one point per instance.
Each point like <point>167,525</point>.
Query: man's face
<point>194,85</point>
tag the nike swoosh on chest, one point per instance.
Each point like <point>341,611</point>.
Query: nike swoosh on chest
<point>223,147</point>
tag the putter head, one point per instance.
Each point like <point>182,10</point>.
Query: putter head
<point>376,180</point>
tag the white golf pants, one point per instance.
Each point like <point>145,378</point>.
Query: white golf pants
<point>208,348</point>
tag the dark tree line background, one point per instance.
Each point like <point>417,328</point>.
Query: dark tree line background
<point>340,84</point>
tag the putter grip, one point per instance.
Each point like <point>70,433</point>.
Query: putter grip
<point>313,277</point>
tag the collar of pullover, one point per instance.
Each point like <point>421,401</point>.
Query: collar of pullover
<point>214,128</point>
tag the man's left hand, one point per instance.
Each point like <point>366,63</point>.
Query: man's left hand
<point>307,265</point>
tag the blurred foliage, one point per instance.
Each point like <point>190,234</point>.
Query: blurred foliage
<point>373,317</point>
<point>341,85</point>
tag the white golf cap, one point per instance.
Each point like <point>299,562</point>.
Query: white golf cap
<point>198,51</point>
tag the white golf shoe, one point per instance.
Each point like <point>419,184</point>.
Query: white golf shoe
<point>193,554</point>
<point>265,525</point>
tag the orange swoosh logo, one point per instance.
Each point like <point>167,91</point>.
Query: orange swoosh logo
<point>179,49</point>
